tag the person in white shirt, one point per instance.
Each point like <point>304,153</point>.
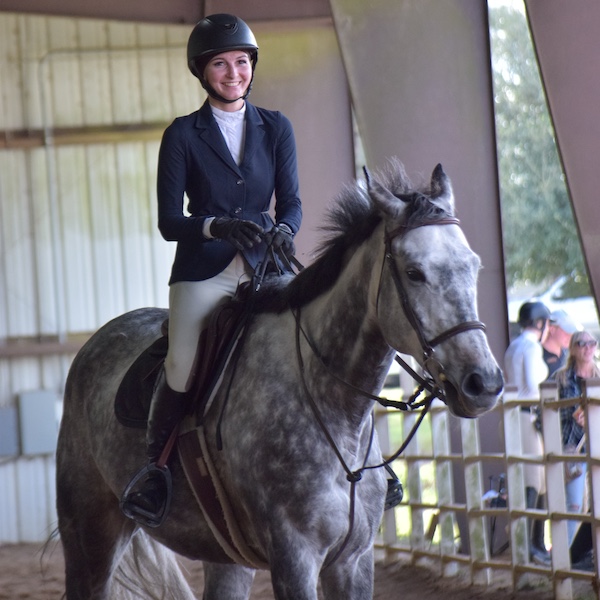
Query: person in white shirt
<point>525,368</point>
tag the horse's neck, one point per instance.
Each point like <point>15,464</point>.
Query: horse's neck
<point>342,323</point>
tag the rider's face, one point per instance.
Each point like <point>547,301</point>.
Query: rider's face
<point>229,74</point>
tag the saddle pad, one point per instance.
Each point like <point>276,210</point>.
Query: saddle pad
<point>213,500</point>
<point>132,401</point>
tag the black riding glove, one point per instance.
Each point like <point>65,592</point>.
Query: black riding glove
<point>239,233</point>
<point>282,237</point>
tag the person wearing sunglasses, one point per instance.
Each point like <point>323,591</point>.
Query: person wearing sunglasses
<point>581,364</point>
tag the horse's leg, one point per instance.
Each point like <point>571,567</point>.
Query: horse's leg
<point>294,572</point>
<point>92,529</point>
<point>231,582</point>
<point>349,580</point>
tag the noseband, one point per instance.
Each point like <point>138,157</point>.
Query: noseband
<point>427,346</point>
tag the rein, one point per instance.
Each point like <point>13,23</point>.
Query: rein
<point>412,404</point>
<point>428,383</point>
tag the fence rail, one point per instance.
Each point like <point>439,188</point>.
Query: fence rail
<point>425,525</point>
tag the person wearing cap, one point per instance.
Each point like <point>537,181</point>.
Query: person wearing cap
<point>229,158</point>
<point>556,345</point>
<point>524,367</point>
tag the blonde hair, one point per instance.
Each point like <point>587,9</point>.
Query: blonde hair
<point>561,374</point>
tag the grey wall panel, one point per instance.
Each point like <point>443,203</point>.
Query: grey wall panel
<point>300,73</point>
<point>565,36</point>
<point>420,80</point>
<point>171,11</point>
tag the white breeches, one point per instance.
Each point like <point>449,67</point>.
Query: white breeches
<point>190,305</point>
<point>531,441</point>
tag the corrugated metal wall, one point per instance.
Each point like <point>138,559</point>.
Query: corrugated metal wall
<point>82,108</point>
<point>83,105</point>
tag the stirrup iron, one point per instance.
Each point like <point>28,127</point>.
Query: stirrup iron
<point>137,513</point>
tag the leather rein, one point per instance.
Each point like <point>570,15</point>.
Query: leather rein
<point>426,383</point>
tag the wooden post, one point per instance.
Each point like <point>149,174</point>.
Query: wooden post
<point>555,485</point>
<point>478,536</point>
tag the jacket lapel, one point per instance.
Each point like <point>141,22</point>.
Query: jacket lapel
<point>211,134</point>
<point>254,133</point>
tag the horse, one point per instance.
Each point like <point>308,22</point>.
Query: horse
<point>296,452</point>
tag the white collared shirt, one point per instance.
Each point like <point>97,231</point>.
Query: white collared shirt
<point>233,128</point>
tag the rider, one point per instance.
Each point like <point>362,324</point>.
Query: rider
<point>229,158</point>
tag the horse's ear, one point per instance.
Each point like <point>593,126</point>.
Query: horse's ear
<point>382,197</point>
<point>441,187</point>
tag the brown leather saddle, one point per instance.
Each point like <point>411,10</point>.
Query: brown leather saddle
<point>132,402</point>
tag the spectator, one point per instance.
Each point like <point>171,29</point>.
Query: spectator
<point>556,348</point>
<point>581,364</point>
<point>525,368</point>
<point>556,345</point>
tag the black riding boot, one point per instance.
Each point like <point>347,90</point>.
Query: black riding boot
<point>147,503</point>
<point>535,527</point>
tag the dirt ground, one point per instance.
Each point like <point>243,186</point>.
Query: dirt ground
<point>28,573</point>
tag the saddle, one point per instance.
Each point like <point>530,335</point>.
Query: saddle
<point>132,401</point>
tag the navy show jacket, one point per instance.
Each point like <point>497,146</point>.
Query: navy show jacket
<point>194,159</point>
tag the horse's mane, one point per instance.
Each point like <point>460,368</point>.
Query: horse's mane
<point>349,221</point>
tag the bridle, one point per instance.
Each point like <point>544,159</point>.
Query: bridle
<point>427,382</point>
<point>427,346</point>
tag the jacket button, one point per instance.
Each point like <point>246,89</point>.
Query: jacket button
<point>238,210</point>
<point>240,182</point>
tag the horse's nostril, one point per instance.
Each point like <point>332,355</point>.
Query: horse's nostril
<point>473,384</point>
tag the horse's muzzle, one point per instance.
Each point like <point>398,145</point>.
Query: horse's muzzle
<point>479,392</point>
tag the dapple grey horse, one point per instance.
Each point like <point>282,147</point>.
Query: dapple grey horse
<point>394,274</point>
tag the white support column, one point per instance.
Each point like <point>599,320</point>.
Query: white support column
<point>440,435</point>
<point>519,544</point>
<point>389,535</point>
<point>592,391</point>
<point>555,485</point>
<point>413,476</point>
<point>411,454</point>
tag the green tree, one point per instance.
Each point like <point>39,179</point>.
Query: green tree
<point>540,236</point>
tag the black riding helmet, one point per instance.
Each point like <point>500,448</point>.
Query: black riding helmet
<point>532,312</point>
<point>215,34</point>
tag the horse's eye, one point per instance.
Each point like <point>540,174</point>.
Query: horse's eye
<point>415,275</point>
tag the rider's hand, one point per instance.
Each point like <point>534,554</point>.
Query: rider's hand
<point>239,233</point>
<point>282,237</point>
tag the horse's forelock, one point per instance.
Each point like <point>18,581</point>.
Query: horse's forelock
<point>420,209</point>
